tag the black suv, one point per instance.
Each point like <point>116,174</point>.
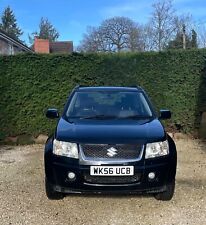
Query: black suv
<point>109,140</point>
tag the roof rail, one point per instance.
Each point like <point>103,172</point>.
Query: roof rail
<point>132,86</point>
<point>135,86</point>
<point>79,85</point>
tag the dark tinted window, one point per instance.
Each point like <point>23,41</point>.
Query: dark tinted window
<point>108,103</point>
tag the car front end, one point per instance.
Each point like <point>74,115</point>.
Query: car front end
<point>73,175</point>
<point>110,156</point>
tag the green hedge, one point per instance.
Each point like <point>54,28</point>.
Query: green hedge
<point>30,83</point>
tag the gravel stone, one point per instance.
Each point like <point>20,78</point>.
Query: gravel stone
<point>23,200</point>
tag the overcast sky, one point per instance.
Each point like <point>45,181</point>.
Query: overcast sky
<point>71,17</point>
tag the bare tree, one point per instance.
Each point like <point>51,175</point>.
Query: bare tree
<point>135,41</point>
<point>185,33</point>
<point>147,37</point>
<point>162,23</point>
<point>120,32</point>
<point>113,35</point>
<point>92,41</point>
<point>201,34</point>
<point>184,20</point>
<point>164,30</point>
<point>202,37</point>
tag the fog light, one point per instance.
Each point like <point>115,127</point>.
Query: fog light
<point>151,175</point>
<point>71,176</point>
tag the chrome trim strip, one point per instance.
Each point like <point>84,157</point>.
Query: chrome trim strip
<point>83,160</point>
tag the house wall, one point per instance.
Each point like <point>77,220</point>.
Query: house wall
<point>17,50</point>
<point>8,49</point>
<point>4,48</point>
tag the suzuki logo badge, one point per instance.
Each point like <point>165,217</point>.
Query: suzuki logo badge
<point>111,152</point>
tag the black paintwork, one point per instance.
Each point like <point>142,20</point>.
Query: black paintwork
<point>110,132</point>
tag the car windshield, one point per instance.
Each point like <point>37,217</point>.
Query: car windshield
<point>108,105</point>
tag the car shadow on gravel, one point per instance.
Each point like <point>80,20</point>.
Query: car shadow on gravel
<point>113,195</point>
<point>191,183</point>
<point>202,143</point>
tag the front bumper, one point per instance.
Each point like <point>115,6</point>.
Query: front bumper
<point>57,168</point>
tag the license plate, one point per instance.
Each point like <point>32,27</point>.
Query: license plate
<point>111,170</point>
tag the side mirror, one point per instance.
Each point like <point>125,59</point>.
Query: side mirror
<point>52,113</point>
<point>165,114</point>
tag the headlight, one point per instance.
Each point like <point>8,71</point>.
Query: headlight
<point>157,149</point>
<point>65,149</point>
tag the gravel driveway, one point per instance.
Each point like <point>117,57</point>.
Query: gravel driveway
<point>23,201</point>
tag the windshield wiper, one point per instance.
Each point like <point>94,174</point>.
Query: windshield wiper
<point>137,117</point>
<point>101,116</point>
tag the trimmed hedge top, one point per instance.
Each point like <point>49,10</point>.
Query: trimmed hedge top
<point>30,83</point>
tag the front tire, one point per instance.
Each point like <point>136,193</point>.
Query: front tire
<point>50,193</point>
<point>168,194</point>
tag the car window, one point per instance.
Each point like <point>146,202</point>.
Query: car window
<point>108,103</point>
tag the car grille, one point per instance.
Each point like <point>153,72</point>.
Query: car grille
<point>111,152</point>
<point>112,179</point>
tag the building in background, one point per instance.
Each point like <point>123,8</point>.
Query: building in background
<point>46,46</point>
<point>11,46</point>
